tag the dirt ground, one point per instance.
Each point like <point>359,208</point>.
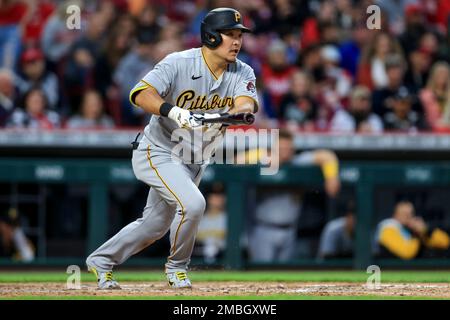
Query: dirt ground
<point>205,289</point>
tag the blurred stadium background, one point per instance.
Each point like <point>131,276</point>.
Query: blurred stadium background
<point>379,99</point>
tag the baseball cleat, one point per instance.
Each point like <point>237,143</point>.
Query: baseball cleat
<point>105,280</point>
<point>178,279</point>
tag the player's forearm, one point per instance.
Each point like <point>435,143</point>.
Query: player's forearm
<point>242,108</point>
<point>244,104</point>
<point>149,100</point>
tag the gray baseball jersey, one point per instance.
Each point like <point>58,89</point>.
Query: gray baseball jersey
<point>184,79</point>
<point>174,202</point>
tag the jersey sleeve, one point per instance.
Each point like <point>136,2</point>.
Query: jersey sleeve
<point>246,87</point>
<point>303,159</point>
<point>393,240</point>
<point>160,78</point>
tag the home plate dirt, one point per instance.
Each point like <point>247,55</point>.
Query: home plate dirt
<point>205,289</point>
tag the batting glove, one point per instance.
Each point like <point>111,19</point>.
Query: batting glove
<point>184,118</point>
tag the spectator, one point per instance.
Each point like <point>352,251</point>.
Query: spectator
<point>338,82</point>
<point>298,106</point>
<point>429,42</point>
<point>13,241</point>
<point>402,118</point>
<point>211,236</point>
<point>407,236</point>
<point>435,97</point>
<point>287,15</point>
<point>417,73</point>
<point>359,117</point>
<point>91,114</point>
<point>415,21</point>
<point>79,72</point>
<point>314,27</point>
<point>441,15</point>
<point>351,50</point>
<point>395,12</point>
<point>194,26</point>
<point>35,113</point>
<point>57,39</point>
<point>372,71</point>
<point>37,15</point>
<point>330,33</point>
<point>33,73</point>
<point>7,95</point>
<point>276,73</point>
<point>273,233</point>
<point>148,20</point>
<point>12,15</point>
<point>117,44</point>
<point>310,61</point>
<point>337,238</point>
<point>171,40</point>
<point>395,69</point>
<point>131,68</point>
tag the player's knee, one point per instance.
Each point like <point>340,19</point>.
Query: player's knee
<point>158,235</point>
<point>195,207</point>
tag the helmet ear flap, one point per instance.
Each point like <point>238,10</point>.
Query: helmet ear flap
<point>215,39</point>
<point>210,38</point>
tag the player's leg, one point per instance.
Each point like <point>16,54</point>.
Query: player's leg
<point>155,222</point>
<point>262,243</point>
<point>134,237</point>
<point>178,187</point>
<point>182,236</point>
<point>287,245</point>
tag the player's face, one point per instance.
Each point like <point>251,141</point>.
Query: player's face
<point>404,213</point>
<point>231,44</point>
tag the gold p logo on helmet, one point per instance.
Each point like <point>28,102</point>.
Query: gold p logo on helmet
<point>237,16</point>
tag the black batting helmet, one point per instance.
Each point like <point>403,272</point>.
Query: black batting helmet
<point>220,19</point>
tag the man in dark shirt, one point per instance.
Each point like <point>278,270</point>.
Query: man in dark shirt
<point>402,117</point>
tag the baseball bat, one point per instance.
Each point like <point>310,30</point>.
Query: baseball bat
<point>235,118</point>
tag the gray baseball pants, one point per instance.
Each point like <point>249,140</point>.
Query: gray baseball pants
<point>174,203</point>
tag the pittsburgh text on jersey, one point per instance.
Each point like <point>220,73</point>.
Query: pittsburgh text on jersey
<point>190,101</point>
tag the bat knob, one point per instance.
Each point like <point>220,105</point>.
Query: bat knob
<point>249,118</point>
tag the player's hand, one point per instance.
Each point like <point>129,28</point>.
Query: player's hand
<point>417,225</point>
<point>184,118</point>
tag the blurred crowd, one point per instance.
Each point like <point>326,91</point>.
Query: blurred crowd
<point>318,65</point>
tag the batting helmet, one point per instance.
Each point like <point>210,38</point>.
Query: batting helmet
<point>220,19</point>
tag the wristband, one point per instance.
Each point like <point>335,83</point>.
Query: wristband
<point>330,169</point>
<point>165,108</point>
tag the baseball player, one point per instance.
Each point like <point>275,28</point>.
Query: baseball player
<point>182,90</point>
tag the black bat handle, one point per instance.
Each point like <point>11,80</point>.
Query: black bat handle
<point>243,118</point>
<point>249,118</point>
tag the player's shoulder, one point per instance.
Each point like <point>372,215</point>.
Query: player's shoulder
<point>240,67</point>
<point>389,223</point>
<point>185,54</point>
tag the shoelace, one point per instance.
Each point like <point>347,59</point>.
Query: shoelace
<point>181,275</point>
<point>109,276</point>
